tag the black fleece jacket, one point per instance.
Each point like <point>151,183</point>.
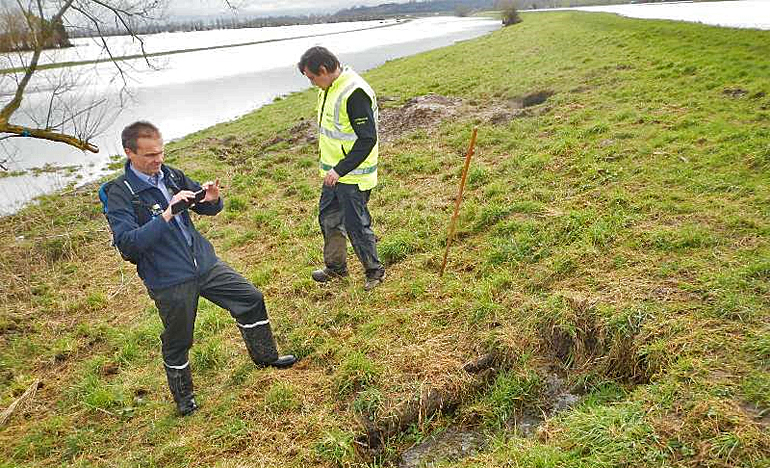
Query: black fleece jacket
<point>361,116</point>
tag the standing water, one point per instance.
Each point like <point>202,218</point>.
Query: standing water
<point>186,92</point>
<point>753,14</point>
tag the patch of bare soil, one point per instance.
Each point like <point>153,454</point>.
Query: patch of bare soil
<point>759,415</point>
<point>502,112</point>
<point>532,99</point>
<point>234,151</point>
<point>227,148</point>
<point>421,112</point>
<point>426,112</point>
<point>304,131</point>
<point>734,92</point>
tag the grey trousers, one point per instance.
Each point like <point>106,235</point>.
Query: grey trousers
<point>343,211</point>
<point>178,307</point>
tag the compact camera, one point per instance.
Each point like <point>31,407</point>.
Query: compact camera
<point>182,205</point>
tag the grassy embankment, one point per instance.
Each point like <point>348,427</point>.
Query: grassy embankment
<point>616,234</point>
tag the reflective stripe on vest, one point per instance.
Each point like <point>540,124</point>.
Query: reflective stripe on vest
<point>338,135</point>
<point>349,89</point>
<point>366,170</point>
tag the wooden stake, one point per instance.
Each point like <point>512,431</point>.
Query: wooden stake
<point>452,223</point>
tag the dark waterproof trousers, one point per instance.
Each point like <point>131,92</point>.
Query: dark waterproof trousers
<point>343,210</point>
<point>178,306</point>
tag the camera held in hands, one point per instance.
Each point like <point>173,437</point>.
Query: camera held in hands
<point>182,205</point>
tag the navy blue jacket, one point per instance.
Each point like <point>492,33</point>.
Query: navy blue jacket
<point>162,256</point>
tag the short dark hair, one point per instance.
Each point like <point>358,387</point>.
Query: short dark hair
<point>316,56</point>
<point>137,130</point>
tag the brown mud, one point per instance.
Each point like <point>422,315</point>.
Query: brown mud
<point>419,113</point>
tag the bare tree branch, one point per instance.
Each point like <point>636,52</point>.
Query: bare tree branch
<point>40,24</point>
<point>102,38</point>
<point>12,106</point>
<point>49,135</point>
<point>85,111</point>
<point>119,15</point>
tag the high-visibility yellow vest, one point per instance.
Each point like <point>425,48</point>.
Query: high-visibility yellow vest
<point>335,132</point>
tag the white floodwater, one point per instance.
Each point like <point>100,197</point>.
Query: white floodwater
<point>754,14</point>
<point>92,48</point>
<point>187,92</point>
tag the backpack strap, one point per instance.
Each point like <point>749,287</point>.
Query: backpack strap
<point>136,202</point>
<point>120,183</point>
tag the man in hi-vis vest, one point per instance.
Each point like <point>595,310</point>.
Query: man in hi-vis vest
<point>347,125</point>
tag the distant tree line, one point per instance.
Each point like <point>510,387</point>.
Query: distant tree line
<point>538,4</point>
<point>22,30</point>
<point>465,7</point>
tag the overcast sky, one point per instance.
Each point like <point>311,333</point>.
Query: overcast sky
<point>265,7</point>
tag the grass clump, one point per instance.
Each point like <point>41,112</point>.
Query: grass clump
<point>602,435</point>
<point>356,372</point>
<point>282,398</point>
<point>398,246</point>
<point>336,447</point>
<point>507,395</point>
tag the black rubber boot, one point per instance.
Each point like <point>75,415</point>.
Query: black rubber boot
<point>262,349</point>
<point>181,386</point>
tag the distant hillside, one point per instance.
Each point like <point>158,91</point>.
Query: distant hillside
<point>455,6</point>
<point>414,8</point>
<point>536,4</point>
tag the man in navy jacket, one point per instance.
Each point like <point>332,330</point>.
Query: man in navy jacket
<point>176,263</point>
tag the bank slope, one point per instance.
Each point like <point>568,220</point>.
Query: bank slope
<point>611,270</point>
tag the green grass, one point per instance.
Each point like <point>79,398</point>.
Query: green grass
<point>617,234</point>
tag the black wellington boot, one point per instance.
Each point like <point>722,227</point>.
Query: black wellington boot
<point>261,345</point>
<point>181,386</point>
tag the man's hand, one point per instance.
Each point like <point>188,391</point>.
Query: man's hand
<point>212,191</point>
<point>181,195</point>
<point>331,178</point>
